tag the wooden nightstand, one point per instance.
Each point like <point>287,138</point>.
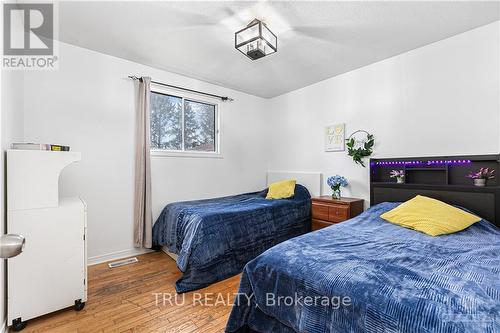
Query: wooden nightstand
<point>327,211</point>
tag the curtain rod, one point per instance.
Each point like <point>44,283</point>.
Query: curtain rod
<point>223,98</point>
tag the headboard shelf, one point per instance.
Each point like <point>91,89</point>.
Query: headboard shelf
<point>441,177</point>
<point>427,169</point>
<point>466,188</point>
<point>444,170</point>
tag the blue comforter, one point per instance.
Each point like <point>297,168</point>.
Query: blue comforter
<point>215,238</point>
<point>378,277</point>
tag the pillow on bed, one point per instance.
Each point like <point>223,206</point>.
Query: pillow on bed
<point>430,216</point>
<point>281,190</point>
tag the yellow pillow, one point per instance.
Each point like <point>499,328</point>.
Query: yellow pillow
<point>430,216</point>
<point>281,190</point>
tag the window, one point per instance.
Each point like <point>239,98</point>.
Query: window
<point>183,125</point>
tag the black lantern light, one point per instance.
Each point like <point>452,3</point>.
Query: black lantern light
<point>256,40</point>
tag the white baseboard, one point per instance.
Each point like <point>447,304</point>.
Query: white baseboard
<point>116,255</point>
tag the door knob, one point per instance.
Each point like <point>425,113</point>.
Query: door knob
<point>11,245</point>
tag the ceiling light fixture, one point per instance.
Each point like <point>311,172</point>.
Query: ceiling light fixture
<point>256,40</point>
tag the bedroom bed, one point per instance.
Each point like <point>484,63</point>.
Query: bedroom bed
<point>215,238</point>
<point>369,275</point>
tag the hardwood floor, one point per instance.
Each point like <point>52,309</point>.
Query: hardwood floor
<point>123,299</point>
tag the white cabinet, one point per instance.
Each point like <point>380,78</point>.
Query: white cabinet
<point>51,273</point>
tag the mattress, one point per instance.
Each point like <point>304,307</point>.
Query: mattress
<point>215,238</point>
<point>379,277</point>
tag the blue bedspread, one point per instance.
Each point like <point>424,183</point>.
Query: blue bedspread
<point>398,280</point>
<point>215,238</point>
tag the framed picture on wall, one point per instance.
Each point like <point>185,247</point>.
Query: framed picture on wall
<point>335,137</point>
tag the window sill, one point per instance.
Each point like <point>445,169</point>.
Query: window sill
<point>166,153</point>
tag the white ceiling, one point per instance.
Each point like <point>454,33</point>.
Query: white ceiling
<point>316,40</point>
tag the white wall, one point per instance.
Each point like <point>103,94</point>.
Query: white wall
<point>89,104</point>
<point>441,99</point>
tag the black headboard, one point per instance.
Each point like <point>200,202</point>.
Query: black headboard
<point>441,177</point>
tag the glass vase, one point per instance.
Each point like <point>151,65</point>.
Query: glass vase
<point>336,193</point>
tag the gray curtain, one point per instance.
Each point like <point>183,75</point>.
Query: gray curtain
<point>143,219</point>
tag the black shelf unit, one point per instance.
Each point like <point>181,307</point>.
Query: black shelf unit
<point>435,170</point>
<point>441,177</point>
<point>468,188</point>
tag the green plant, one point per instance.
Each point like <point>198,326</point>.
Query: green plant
<point>358,154</point>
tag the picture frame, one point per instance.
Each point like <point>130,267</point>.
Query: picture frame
<point>335,137</point>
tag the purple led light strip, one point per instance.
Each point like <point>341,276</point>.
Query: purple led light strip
<point>431,162</point>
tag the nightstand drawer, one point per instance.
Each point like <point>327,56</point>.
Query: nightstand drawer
<point>320,211</point>
<point>327,211</point>
<point>338,213</point>
<point>317,224</point>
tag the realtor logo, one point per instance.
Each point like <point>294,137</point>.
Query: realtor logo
<point>28,36</point>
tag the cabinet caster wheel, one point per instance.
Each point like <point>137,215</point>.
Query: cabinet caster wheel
<point>79,305</point>
<point>18,324</point>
